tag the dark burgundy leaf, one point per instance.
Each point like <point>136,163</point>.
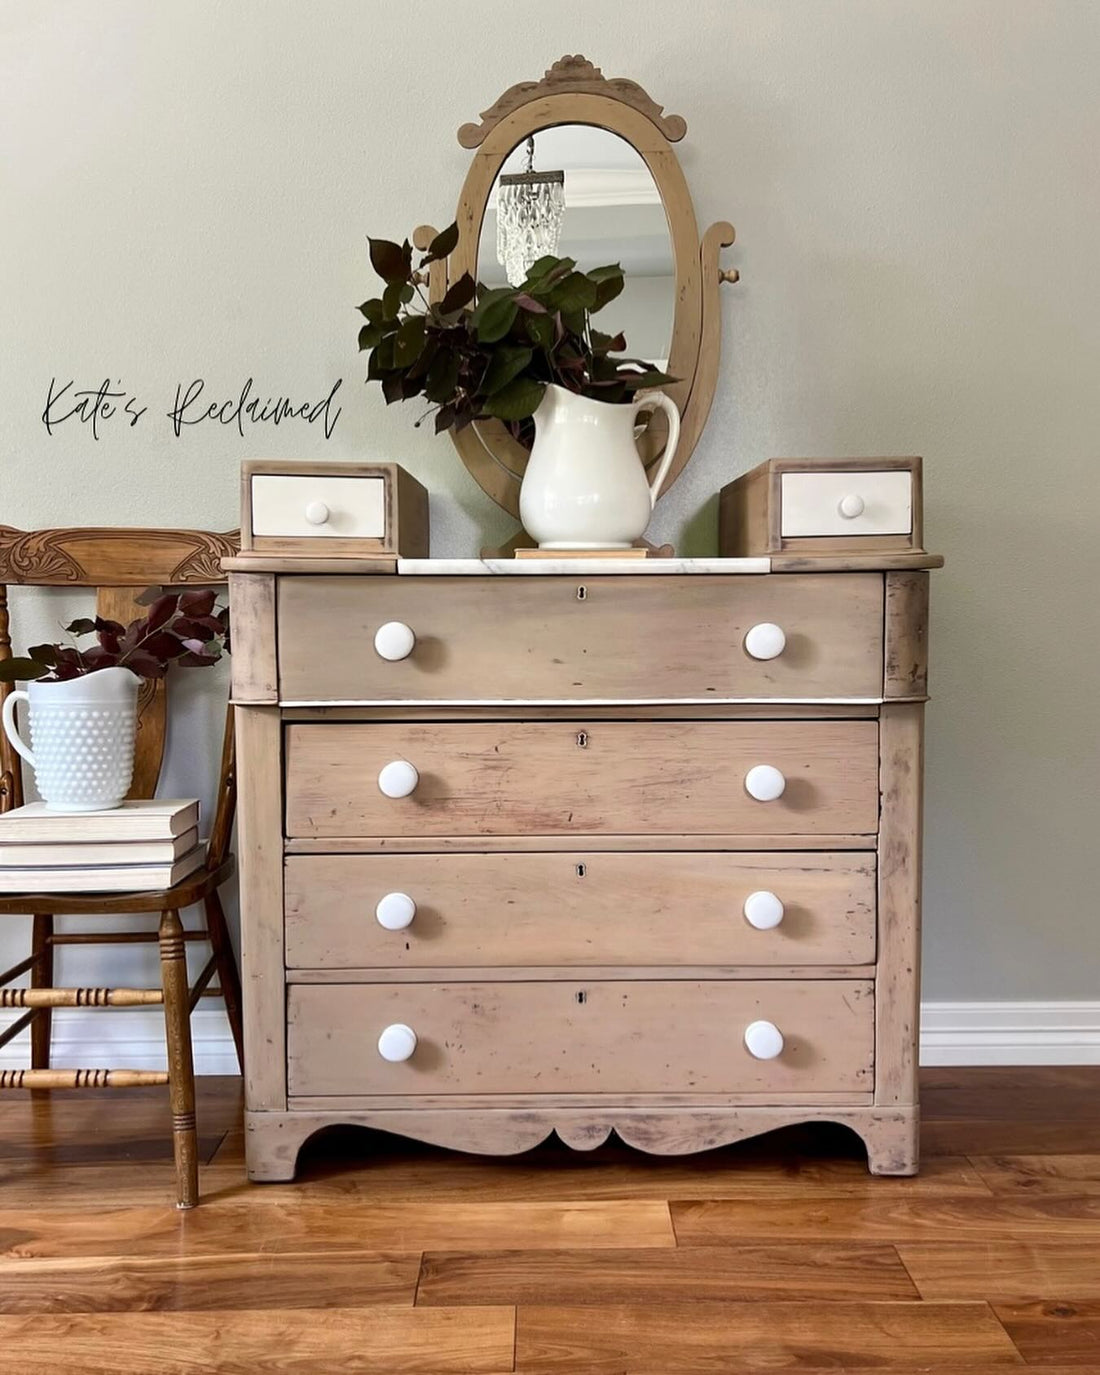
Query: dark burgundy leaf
<point>145,665</point>
<point>443,245</point>
<point>388,260</point>
<point>25,670</point>
<point>457,295</point>
<point>161,610</point>
<point>197,603</point>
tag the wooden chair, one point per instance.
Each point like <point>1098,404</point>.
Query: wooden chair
<point>120,564</point>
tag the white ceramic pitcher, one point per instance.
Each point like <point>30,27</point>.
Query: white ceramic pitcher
<point>82,738</point>
<point>585,486</point>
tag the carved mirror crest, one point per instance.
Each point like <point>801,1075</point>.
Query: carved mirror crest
<point>625,200</point>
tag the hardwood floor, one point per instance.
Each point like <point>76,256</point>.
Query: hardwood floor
<point>388,1256</point>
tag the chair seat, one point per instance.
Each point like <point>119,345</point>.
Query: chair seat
<point>192,889</point>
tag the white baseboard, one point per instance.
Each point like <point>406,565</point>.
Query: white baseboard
<point>952,1033</point>
<point>1016,1033</point>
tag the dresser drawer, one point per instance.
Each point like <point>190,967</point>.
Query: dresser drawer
<point>583,778</point>
<point>847,503</point>
<point>599,1037</point>
<point>607,639</point>
<point>313,505</point>
<point>573,909</point>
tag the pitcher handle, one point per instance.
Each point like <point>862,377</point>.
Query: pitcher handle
<point>10,728</point>
<point>657,400</point>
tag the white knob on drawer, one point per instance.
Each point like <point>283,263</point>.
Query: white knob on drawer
<point>317,513</point>
<point>765,641</point>
<point>398,778</point>
<point>850,506</point>
<point>762,910</point>
<point>763,1040</point>
<point>394,641</point>
<point>396,910</point>
<point>764,782</point>
<point>398,1042</point>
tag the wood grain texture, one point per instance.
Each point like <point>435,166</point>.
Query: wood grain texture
<point>391,1341</point>
<point>540,639</point>
<point>248,1224</point>
<point>113,556</point>
<point>897,981</point>
<point>1004,1271</point>
<point>711,1274</point>
<point>252,606</point>
<point>1063,1174</point>
<point>260,833</point>
<point>231,1282</point>
<point>906,636</point>
<point>579,909</point>
<point>603,777</point>
<point>703,1338</point>
<point>487,844</point>
<point>1054,1331</point>
<point>960,1220</point>
<point>620,1038</point>
<point>515,1125</point>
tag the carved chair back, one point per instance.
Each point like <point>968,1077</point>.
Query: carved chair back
<point>119,564</point>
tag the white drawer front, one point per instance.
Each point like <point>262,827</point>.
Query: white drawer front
<point>341,507</point>
<point>852,503</point>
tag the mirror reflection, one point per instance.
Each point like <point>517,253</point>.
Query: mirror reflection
<point>584,193</point>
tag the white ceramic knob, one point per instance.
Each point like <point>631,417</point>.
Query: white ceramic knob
<point>394,641</point>
<point>764,782</point>
<point>765,641</point>
<point>398,778</point>
<point>850,506</point>
<point>398,1042</point>
<point>763,1040</point>
<point>762,910</point>
<point>317,513</point>
<point>395,911</point>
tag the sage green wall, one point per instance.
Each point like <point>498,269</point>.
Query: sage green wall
<point>186,191</point>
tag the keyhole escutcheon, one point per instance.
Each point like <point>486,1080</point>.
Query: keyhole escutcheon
<point>582,739</point>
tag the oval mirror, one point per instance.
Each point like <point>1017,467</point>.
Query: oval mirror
<point>599,152</point>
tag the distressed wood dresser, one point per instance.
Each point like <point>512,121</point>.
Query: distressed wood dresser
<point>581,848</point>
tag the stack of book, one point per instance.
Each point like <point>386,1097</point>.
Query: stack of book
<point>130,848</point>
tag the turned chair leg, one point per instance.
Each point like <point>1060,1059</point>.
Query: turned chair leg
<point>181,1070</point>
<point>228,977</point>
<point>41,977</point>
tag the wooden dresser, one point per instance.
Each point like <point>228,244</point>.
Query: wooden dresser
<point>539,846</point>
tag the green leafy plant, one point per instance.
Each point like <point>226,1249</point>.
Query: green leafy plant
<point>184,628</point>
<point>479,353</point>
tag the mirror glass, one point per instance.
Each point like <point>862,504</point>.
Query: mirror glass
<point>611,212</point>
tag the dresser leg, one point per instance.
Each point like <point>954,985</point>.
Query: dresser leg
<point>892,1138</point>
<point>272,1141</point>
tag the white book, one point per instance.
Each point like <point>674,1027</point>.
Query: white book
<point>154,820</point>
<point>100,878</point>
<point>66,854</point>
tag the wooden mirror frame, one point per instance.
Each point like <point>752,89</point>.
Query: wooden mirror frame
<point>573,91</point>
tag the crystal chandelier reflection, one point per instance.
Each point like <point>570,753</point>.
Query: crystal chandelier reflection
<point>530,207</point>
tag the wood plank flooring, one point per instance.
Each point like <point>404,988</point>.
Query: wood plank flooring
<point>388,1256</point>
